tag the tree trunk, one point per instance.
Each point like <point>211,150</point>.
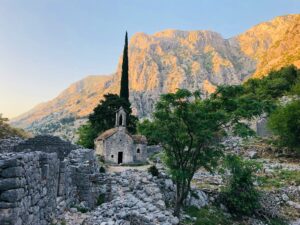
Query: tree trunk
<point>182,191</point>
<point>178,205</point>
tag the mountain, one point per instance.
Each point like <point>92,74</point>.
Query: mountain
<point>170,59</point>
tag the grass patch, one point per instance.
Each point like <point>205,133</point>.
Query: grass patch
<point>280,178</point>
<point>207,216</point>
<point>276,221</point>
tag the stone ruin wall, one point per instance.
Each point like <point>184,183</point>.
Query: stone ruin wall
<point>37,186</point>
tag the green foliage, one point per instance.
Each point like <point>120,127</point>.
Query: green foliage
<point>207,216</point>
<point>103,118</point>
<point>240,195</point>
<point>86,135</point>
<point>280,178</point>
<point>101,199</point>
<point>190,130</point>
<point>124,92</point>
<point>7,131</point>
<point>275,85</point>
<point>277,221</point>
<point>102,169</point>
<point>81,209</point>
<point>153,170</point>
<point>285,122</point>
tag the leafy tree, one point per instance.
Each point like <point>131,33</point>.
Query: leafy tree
<point>190,130</point>
<point>240,195</point>
<point>275,85</point>
<point>285,123</point>
<point>124,92</point>
<point>103,118</point>
<point>7,131</point>
<point>86,135</point>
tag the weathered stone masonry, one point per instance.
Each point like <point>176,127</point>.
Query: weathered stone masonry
<point>35,186</point>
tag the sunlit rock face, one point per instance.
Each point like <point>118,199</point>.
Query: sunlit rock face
<point>171,59</point>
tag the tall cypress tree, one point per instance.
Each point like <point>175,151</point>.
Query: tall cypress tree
<point>124,92</point>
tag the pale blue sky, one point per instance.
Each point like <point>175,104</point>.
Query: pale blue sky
<point>45,45</point>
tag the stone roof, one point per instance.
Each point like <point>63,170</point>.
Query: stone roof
<point>139,139</point>
<point>107,133</point>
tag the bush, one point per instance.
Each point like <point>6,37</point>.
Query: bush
<point>81,209</point>
<point>101,199</point>
<point>285,123</point>
<point>240,195</point>
<point>102,169</point>
<point>153,170</point>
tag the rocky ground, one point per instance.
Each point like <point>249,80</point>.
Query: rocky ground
<point>132,197</point>
<point>135,197</point>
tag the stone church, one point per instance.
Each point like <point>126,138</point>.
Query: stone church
<point>118,146</point>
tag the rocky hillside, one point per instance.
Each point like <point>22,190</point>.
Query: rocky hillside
<point>171,59</point>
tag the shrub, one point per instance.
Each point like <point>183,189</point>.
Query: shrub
<point>240,195</point>
<point>285,123</point>
<point>153,170</point>
<point>102,169</point>
<point>101,199</point>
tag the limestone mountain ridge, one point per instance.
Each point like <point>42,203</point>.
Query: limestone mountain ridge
<point>171,59</point>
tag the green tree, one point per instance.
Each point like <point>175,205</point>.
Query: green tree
<point>240,195</point>
<point>285,123</point>
<point>124,91</point>
<point>103,118</point>
<point>190,130</point>
<point>274,85</point>
<point>86,135</point>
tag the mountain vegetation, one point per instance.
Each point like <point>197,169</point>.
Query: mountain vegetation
<point>7,131</point>
<point>285,123</point>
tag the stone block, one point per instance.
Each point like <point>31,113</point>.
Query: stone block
<point>13,195</point>
<point>12,172</point>
<point>11,183</point>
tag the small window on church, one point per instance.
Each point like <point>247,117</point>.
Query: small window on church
<point>138,150</point>
<point>112,156</point>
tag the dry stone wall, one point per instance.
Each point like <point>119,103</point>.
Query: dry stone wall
<point>37,186</point>
<point>28,188</point>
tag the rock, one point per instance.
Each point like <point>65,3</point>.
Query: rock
<point>294,204</point>
<point>252,154</point>
<point>73,210</point>
<point>197,198</point>
<point>285,197</point>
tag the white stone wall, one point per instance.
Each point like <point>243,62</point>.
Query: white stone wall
<point>118,142</point>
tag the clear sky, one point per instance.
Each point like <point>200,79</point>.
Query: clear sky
<point>45,45</point>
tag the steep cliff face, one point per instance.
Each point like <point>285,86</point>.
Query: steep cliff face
<point>171,59</point>
<point>273,44</point>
